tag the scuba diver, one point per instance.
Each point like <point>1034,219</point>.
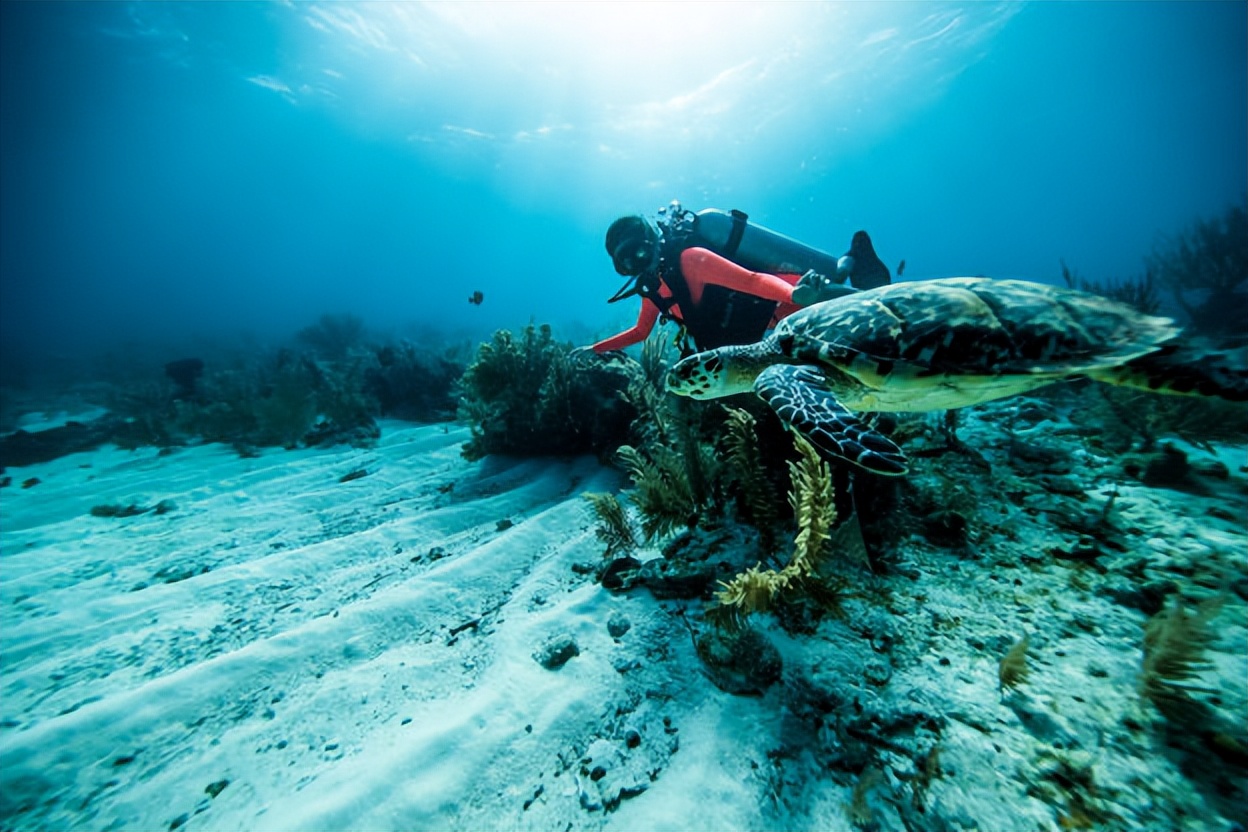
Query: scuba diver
<point>724,279</point>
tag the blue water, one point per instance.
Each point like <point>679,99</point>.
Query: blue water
<point>170,169</point>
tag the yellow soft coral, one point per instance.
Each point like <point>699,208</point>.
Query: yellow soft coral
<point>813,500</point>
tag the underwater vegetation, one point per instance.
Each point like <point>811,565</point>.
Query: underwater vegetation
<point>333,337</point>
<point>293,398</point>
<point>711,476</point>
<point>812,500</point>
<point>1013,669</point>
<point>1022,607</point>
<point>329,391</point>
<point>1137,292</point>
<point>1176,644</point>
<point>284,400</point>
<point>1205,267</point>
<point>524,395</point>
<point>411,383</point>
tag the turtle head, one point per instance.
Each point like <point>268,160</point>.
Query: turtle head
<point>716,373</point>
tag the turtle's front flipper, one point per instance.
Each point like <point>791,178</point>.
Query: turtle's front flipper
<point>802,399</point>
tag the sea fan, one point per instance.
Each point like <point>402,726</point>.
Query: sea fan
<point>614,528</point>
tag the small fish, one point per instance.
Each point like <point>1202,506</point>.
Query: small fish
<point>476,297</point>
<point>901,268</point>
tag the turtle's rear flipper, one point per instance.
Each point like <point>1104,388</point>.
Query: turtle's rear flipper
<point>1193,369</point>
<point>801,398</point>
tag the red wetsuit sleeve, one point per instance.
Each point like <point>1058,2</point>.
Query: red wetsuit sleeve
<point>636,333</point>
<point>701,266</point>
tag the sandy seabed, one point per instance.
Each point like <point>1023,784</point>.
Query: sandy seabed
<point>287,646</point>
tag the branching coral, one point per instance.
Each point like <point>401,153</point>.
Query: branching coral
<point>507,366</point>
<point>813,501</point>
<point>522,395</point>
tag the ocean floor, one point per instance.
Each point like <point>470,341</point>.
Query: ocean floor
<point>397,638</point>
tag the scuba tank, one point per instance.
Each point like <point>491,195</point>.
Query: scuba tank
<point>732,235</point>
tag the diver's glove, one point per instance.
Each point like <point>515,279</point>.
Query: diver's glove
<point>815,288</point>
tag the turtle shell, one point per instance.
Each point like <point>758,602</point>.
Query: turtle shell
<point>969,327</point>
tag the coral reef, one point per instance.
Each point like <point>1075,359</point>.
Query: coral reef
<point>260,398</point>
<point>185,372</point>
<point>523,395</point>
<point>284,401</point>
<point>23,448</point>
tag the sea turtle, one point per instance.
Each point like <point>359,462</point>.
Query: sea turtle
<point>940,344</point>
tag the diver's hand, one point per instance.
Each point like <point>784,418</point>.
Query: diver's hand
<point>815,288</point>
<point>809,289</point>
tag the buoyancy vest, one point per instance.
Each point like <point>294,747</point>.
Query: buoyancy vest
<point>722,316</point>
